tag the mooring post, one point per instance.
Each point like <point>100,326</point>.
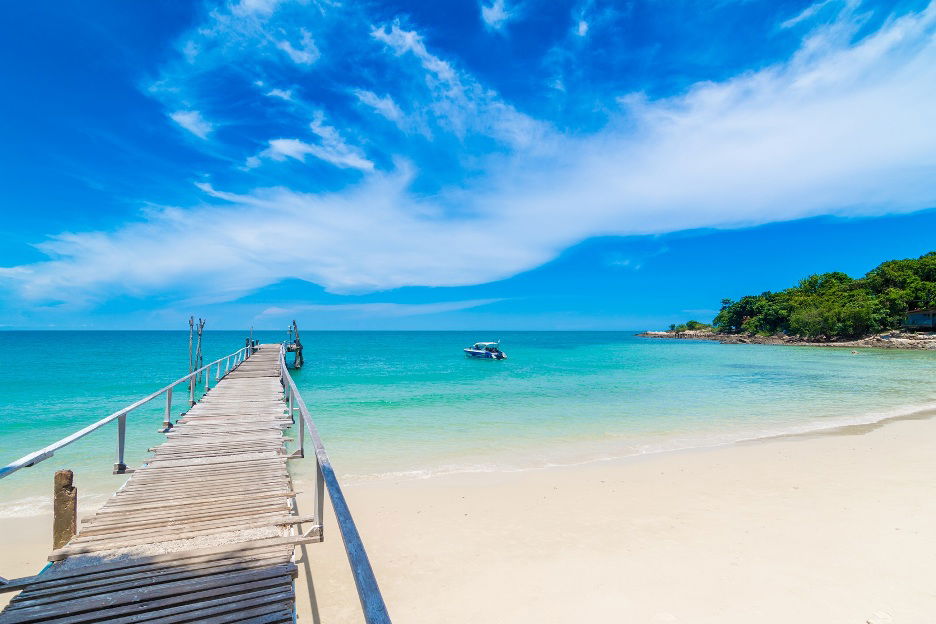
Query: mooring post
<point>119,466</point>
<point>64,509</point>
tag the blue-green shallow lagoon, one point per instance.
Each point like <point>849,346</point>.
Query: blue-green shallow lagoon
<point>411,404</point>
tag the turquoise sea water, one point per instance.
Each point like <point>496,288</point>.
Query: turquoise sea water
<point>410,404</point>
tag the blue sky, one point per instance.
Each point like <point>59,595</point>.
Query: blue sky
<point>494,165</point>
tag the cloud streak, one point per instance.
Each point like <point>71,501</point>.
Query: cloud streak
<point>192,121</point>
<point>496,14</point>
<point>331,148</point>
<point>380,309</point>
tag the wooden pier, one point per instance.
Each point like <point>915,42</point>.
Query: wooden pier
<point>206,530</point>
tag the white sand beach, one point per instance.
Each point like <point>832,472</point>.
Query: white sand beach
<point>825,528</point>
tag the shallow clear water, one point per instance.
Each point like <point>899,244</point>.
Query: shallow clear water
<point>410,403</point>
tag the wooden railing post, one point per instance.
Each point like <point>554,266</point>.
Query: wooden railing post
<point>119,466</point>
<point>319,498</point>
<point>167,418</point>
<point>302,444</point>
<point>64,509</point>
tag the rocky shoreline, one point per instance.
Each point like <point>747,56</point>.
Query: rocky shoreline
<point>887,340</point>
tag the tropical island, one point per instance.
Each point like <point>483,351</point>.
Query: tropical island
<point>893,305</point>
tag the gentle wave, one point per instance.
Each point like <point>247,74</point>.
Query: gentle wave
<point>36,506</point>
<point>27,507</point>
<point>674,445</point>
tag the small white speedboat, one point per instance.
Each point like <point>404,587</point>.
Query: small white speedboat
<point>486,350</point>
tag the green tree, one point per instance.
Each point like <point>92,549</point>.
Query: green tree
<point>833,305</point>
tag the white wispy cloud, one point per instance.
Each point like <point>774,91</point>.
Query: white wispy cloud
<point>298,150</point>
<point>294,148</point>
<point>457,102</point>
<point>379,309</point>
<point>332,148</point>
<point>842,127</point>
<point>385,106</point>
<point>252,7</point>
<point>193,121</point>
<point>496,14</point>
<point>304,53</point>
<point>283,94</point>
<point>238,38</point>
<point>808,13</point>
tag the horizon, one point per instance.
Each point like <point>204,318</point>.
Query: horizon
<point>562,166</point>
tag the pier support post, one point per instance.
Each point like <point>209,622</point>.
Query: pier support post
<point>64,509</point>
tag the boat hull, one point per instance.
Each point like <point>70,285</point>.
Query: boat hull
<point>485,355</point>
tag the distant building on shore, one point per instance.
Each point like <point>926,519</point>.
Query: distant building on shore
<point>921,320</point>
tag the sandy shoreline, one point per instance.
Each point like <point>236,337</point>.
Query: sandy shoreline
<point>836,526</point>
<point>885,340</point>
<point>825,527</point>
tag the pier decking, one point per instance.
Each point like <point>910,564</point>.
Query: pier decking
<point>203,532</point>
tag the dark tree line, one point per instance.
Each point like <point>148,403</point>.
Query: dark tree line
<point>833,305</point>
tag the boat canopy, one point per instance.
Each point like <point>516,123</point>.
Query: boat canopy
<point>482,345</point>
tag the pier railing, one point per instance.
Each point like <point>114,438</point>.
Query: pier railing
<point>375,611</point>
<point>120,467</point>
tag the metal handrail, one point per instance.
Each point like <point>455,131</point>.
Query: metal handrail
<point>372,603</point>
<point>121,416</point>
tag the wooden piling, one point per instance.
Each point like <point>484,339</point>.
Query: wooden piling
<point>199,359</point>
<point>191,360</point>
<point>64,509</point>
<point>297,346</point>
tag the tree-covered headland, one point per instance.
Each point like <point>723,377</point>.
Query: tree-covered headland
<point>834,305</point>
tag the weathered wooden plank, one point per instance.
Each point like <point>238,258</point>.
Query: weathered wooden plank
<point>195,611</point>
<point>115,542</point>
<point>171,502</point>
<point>215,584</point>
<point>81,589</point>
<point>103,578</point>
<point>139,526</point>
<point>269,614</point>
<point>57,573</point>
